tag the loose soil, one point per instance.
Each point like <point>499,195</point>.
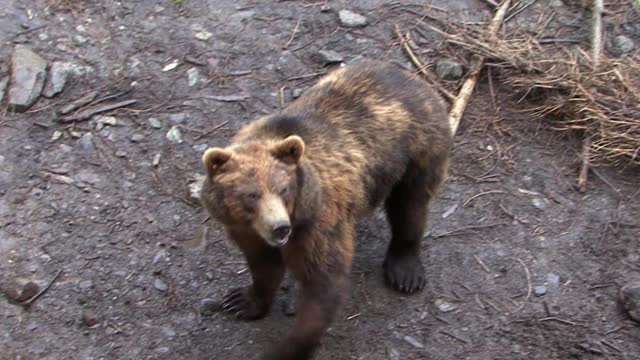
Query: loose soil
<point>520,265</point>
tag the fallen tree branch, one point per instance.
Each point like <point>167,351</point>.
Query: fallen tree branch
<point>460,103</point>
<point>596,47</point>
<point>87,114</point>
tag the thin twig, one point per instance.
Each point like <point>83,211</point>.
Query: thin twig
<point>529,287</point>
<point>293,34</point>
<point>31,300</point>
<point>466,228</point>
<point>484,267</point>
<point>460,103</point>
<point>523,8</point>
<point>481,194</point>
<point>553,318</point>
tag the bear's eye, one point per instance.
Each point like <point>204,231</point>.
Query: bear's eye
<point>253,196</point>
<point>284,193</point>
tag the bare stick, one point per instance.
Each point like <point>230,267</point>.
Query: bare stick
<point>529,290</point>
<point>484,267</point>
<point>30,301</point>
<point>87,114</point>
<point>293,34</point>
<point>460,103</point>
<point>596,47</point>
<point>427,74</point>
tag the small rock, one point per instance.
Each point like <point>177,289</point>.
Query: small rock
<point>177,118</point>
<point>203,35</point>
<point>351,19</point>
<point>156,160</point>
<point>3,87</point>
<point>200,147</point>
<point>56,135</point>
<point>445,306</point>
<point>539,203</point>
<point>168,332</point>
<point>85,284</point>
<point>193,76</point>
<point>196,187</point>
<point>328,57</point>
<point>539,290</point>
<point>21,291</point>
<point>27,78</point>
<point>81,40</point>
<point>137,138</point>
<point>413,342</point>
<point>89,317</point>
<point>296,93</point>
<point>87,145</point>
<point>553,280</point>
<point>174,135</point>
<point>172,65</point>
<point>447,69</point>
<point>326,8</point>
<point>394,354</point>
<point>209,306</point>
<point>630,297</point>
<point>121,153</point>
<point>163,350</point>
<point>160,285</point>
<point>155,123</point>
<point>106,120</point>
<point>623,44</point>
<point>58,75</point>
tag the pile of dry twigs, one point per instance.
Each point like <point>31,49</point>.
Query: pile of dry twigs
<point>563,83</point>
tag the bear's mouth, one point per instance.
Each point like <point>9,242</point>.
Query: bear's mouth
<point>280,242</point>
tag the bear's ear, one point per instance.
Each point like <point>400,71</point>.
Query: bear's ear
<point>289,150</point>
<point>213,158</point>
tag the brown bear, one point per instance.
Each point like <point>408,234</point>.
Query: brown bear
<point>290,187</point>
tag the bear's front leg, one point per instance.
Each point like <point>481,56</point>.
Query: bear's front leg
<point>319,301</point>
<point>267,270</point>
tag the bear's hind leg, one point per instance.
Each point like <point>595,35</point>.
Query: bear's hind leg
<point>407,209</point>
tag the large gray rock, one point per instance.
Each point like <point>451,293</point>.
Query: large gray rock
<point>28,73</point>
<point>623,44</point>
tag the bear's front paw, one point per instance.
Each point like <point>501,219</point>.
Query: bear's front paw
<point>404,273</point>
<point>242,304</point>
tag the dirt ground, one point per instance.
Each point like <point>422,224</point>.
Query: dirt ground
<point>520,265</point>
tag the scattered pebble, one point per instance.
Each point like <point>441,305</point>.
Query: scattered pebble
<point>203,35</point>
<point>89,317</point>
<point>160,285</point>
<point>3,87</point>
<point>539,290</point>
<point>58,75</point>
<point>447,69</point>
<point>296,93</point>
<point>539,203</point>
<point>209,306</point>
<point>168,332</point>
<point>552,280</point>
<point>450,211</point>
<point>85,284</point>
<point>172,65</point>
<point>155,123</point>
<point>394,354</point>
<point>174,135</point>
<point>351,19</point>
<point>200,147</point>
<point>137,138</point>
<point>328,57</point>
<point>623,44</point>
<point>193,76</point>
<point>27,78</point>
<point>413,342</point>
<point>21,291</point>
<point>56,135</point>
<point>445,306</point>
<point>630,297</point>
<point>156,160</point>
<point>121,153</point>
<point>81,40</point>
<point>177,118</point>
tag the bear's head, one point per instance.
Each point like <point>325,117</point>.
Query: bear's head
<point>254,186</point>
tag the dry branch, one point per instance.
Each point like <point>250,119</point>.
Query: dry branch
<point>460,104</point>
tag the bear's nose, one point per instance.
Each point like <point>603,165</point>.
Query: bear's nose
<point>281,231</point>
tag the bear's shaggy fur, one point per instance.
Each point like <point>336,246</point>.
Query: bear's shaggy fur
<point>290,187</point>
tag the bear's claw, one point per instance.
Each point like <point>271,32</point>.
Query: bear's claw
<point>243,305</point>
<point>404,273</point>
